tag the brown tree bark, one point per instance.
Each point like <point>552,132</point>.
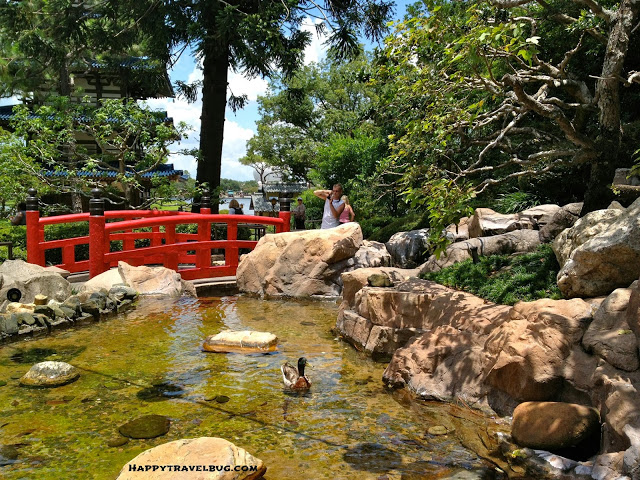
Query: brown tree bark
<point>599,194</point>
<point>214,102</point>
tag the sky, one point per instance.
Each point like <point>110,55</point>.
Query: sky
<point>239,126</point>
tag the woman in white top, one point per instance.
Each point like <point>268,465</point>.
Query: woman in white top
<point>333,206</point>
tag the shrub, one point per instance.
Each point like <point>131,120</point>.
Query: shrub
<point>381,229</point>
<point>505,279</point>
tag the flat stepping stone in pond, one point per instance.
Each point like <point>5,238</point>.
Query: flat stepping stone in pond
<point>148,426</point>
<point>49,374</point>
<point>242,341</point>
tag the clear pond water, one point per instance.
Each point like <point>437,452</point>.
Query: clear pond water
<point>150,361</point>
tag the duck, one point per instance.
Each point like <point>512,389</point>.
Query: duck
<point>294,378</point>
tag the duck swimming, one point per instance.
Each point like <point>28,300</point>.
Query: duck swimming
<point>294,378</point>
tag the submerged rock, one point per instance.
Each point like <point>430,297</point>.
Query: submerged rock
<point>243,341</point>
<point>192,452</point>
<point>148,426</point>
<point>50,374</point>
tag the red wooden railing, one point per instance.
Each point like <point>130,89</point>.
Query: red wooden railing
<point>187,253</point>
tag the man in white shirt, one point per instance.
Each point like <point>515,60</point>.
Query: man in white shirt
<point>333,206</point>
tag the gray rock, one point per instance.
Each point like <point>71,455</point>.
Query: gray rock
<point>123,292</point>
<point>520,241</point>
<point>32,280</point>
<point>372,254</point>
<point>564,218</point>
<point>540,215</point>
<point>485,223</point>
<point>50,374</point>
<point>8,324</point>
<point>409,249</point>
<point>45,310</point>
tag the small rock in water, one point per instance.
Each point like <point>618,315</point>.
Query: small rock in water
<point>438,430</point>
<point>117,442</point>
<point>3,383</point>
<point>221,399</point>
<point>307,323</point>
<point>242,341</point>
<point>8,455</point>
<point>148,426</point>
<point>50,374</point>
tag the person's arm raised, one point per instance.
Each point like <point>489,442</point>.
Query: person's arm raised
<point>323,194</point>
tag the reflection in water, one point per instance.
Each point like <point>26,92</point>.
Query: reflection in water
<point>150,362</point>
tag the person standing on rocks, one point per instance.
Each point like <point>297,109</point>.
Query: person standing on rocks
<point>333,206</point>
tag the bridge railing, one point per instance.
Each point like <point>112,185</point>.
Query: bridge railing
<point>113,235</point>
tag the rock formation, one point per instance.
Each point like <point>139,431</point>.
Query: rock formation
<point>300,264</point>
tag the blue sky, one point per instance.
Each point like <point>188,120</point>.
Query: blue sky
<point>239,126</point>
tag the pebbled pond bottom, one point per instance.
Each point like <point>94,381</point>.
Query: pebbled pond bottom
<point>150,362</point>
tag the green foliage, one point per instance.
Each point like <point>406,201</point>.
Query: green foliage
<point>445,202</point>
<point>515,202</point>
<point>314,207</point>
<point>18,173</point>
<point>132,139</point>
<point>381,229</point>
<point>17,234</point>
<point>505,279</point>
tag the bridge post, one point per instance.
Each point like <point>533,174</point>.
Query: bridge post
<point>34,254</point>
<point>97,239</point>
<point>203,256</point>
<point>285,214</point>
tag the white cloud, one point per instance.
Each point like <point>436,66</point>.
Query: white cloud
<point>235,136</point>
<point>240,85</point>
<point>316,50</point>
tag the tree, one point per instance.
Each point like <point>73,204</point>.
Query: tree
<point>259,38</point>
<point>491,93</point>
<point>44,40</point>
<point>18,175</point>
<point>132,142</point>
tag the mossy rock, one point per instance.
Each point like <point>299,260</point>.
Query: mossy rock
<point>148,426</point>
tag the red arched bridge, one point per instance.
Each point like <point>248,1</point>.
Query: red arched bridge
<point>113,234</point>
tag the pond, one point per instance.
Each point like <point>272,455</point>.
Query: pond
<point>150,361</point>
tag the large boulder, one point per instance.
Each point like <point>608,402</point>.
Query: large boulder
<point>539,216</point>
<point>382,319</point>
<point>609,335</point>
<point>181,457</point>
<point>32,280</point>
<point>354,280</point>
<point>528,353</point>
<point>600,253</point>
<point>565,217</point>
<point>153,280</point>
<point>458,232</point>
<point>486,222</point>
<point>409,249</point>
<point>555,425</point>
<point>300,263</point>
<point>520,241</point>
<point>371,255</point>
<point>104,281</point>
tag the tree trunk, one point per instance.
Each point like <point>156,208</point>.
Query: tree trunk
<point>214,103</point>
<point>599,194</point>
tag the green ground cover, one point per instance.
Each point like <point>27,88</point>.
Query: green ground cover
<point>505,279</point>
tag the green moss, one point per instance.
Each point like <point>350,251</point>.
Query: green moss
<point>505,279</point>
